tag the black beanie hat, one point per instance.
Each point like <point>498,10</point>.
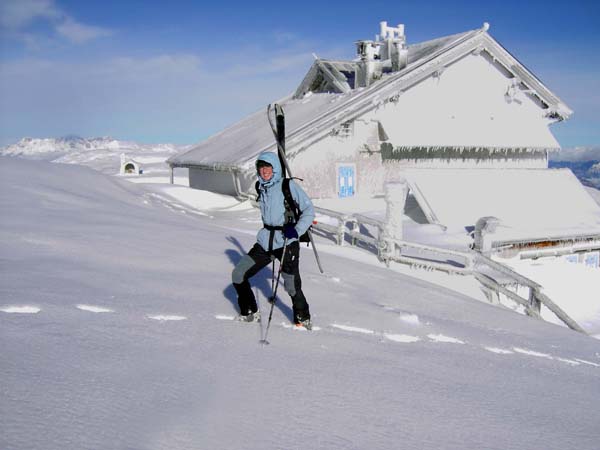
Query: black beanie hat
<point>260,163</point>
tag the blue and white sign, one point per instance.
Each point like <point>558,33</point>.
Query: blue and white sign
<point>592,259</point>
<point>346,180</point>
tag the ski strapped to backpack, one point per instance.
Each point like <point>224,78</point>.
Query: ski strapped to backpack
<point>291,208</point>
<point>278,129</point>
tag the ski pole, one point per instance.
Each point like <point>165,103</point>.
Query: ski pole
<point>273,298</point>
<point>273,274</point>
<point>312,243</point>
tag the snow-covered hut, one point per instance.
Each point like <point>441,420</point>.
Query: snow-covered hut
<point>129,166</point>
<point>459,101</point>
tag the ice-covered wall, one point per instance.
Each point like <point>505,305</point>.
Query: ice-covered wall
<point>471,103</point>
<point>220,181</point>
<point>317,166</point>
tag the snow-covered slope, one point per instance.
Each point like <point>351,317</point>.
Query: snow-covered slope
<point>114,330</point>
<point>594,193</point>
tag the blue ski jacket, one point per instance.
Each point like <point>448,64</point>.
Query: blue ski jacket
<point>272,206</point>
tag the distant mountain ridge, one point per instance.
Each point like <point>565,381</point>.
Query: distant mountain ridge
<point>100,153</point>
<point>577,154</point>
<point>44,147</point>
<point>584,162</point>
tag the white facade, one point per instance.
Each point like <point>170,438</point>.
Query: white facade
<point>471,103</point>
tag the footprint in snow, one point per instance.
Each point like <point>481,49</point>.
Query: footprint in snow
<point>499,351</point>
<point>224,317</point>
<point>444,339</point>
<point>167,318</point>
<point>524,351</point>
<point>528,352</point>
<point>402,338</point>
<point>589,363</point>
<point>352,329</point>
<point>411,319</point>
<point>297,328</point>
<point>94,309</point>
<point>20,309</point>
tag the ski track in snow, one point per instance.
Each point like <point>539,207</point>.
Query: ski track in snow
<point>20,309</point>
<point>94,309</point>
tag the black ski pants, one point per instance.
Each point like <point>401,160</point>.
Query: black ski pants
<point>254,261</point>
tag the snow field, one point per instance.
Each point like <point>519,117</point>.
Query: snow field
<point>123,380</point>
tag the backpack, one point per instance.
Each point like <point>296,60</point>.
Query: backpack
<point>291,207</point>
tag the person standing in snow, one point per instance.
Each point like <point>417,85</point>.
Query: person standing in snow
<point>278,229</point>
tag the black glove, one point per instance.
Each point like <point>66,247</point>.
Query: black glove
<point>290,232</point>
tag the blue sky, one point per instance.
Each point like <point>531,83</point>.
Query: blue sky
<point>179,71</point>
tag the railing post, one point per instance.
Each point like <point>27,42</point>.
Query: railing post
<point>483,228</point>
<point>340,230</point>
<point>395,198</point>
<point>534,301</point>
<point>355,229</point>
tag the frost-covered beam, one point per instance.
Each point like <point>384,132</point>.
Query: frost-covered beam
<point>307,81</point>
<point>335,77</point>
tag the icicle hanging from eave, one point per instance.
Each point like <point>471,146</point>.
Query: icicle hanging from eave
<point>389,152</point>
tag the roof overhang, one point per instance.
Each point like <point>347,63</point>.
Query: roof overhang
<point>533,205</point>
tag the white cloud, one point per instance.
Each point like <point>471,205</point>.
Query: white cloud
<point>291,62</point>
<point>577,154</point>
<point>16,17</point>
<point>79,33</point>
<point>185,96</point>
<point>17,14</point>
<point>165,95</point>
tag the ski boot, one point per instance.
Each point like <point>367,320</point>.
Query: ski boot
<point>250,317</point>
<point>304,324</point>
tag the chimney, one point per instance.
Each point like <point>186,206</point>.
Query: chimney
<point>367,52</point>
<point>394,45</point>
<point>389,45</point>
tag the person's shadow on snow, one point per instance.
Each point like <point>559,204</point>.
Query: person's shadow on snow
<point>261,282</point>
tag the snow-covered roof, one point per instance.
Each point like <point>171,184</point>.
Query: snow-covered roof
<point>313,116</point>
<point>532,204</point>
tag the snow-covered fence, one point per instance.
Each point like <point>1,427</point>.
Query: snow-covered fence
<point>493,276</point>
<point>488,272</point>
<point>357,228</point>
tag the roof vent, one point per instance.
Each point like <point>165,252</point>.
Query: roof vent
<point>389,46</point>
<point>394,45</point>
